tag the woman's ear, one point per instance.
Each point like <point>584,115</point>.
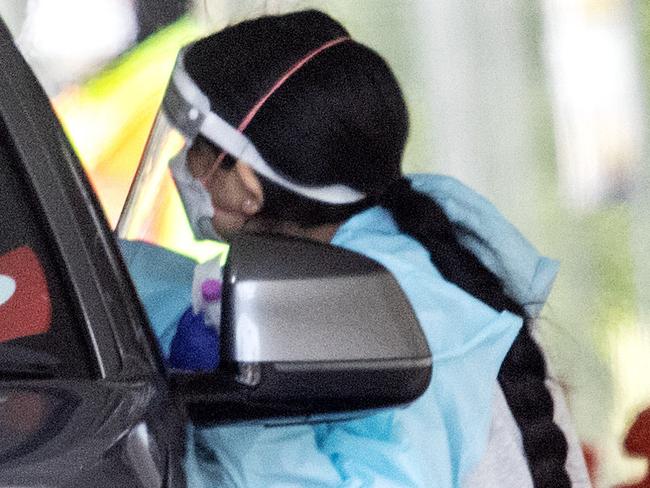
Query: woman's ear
<point>254,196</point>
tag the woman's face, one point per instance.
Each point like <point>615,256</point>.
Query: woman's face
<point>235,189</point>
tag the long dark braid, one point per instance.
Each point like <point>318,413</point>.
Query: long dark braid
<point>523,371</point>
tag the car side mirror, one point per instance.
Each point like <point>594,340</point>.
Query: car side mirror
<point>308,331</point>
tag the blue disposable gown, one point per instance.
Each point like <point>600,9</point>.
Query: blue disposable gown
<point>439,438</point>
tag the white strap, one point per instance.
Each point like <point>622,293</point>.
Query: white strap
<point>240,147</point>
<point>228,138</point>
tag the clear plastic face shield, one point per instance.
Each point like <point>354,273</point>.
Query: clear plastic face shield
<point>163,179</point>
<point>166,205</point>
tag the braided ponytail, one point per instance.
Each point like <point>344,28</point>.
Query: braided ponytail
<point>523,371</point>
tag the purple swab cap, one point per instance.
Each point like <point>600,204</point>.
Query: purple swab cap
<point>211,290</point>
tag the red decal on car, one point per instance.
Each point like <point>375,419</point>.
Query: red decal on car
<point>25,307</point>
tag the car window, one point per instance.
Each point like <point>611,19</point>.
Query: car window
<point>40,333</point>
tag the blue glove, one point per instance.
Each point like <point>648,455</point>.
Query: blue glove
<point>195,346</point>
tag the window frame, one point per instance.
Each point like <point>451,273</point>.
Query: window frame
<point>105,299</point>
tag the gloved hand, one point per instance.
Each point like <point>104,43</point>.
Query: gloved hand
<point>195,346</point>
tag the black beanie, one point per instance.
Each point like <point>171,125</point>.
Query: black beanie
<point>238,65</point>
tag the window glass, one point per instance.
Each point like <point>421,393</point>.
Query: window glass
<point>40,336</point>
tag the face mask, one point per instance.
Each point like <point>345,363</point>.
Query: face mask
<point>196,199</point>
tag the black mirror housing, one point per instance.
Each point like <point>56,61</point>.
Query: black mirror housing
<point>308,331</point>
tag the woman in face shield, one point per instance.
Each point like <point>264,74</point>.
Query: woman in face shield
<point>288,125</point>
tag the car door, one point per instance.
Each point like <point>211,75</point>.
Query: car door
<point>83,393</point>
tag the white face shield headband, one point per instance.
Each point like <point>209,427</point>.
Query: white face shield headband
<point>188,109</point>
